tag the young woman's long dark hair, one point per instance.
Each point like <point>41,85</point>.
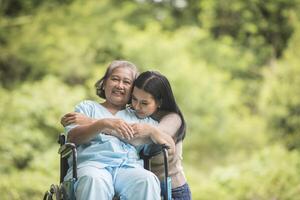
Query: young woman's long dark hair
<point>159,87</point>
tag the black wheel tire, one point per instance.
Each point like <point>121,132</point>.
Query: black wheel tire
<point>47,195</point>
<point>55,192</point>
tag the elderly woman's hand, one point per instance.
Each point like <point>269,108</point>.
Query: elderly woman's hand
<point>76,118</point>
<point>118,128</point>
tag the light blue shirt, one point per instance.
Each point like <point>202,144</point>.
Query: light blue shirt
<point>106,150</point>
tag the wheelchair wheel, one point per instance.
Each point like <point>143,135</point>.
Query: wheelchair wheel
<point>53,194</point>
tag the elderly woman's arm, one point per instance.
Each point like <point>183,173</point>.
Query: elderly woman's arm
<point>84,133</point>
<point>89,127</point>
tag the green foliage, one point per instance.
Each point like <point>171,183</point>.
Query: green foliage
<point>51,55</point>
<point>261,26</point>
<point>45,44</point>
<point>32,183</point>
<point>281,96</point>
<point>270,173</point>
<point>29,121</point>
<point>13,8</point>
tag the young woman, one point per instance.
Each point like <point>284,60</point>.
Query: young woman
<point>152,96</point>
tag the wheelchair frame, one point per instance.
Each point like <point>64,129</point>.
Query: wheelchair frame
<point>60,192</point>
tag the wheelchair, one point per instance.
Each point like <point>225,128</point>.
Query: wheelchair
<point>65,189</point>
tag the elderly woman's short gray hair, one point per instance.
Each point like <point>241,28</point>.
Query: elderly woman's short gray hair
<point>113,65</point>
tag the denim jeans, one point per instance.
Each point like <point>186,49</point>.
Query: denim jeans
<point>182,193</point>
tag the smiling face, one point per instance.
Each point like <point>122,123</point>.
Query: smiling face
<point>143,103</point>
<point>118,87</point>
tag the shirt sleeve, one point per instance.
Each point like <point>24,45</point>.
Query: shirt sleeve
<point>84,108</point>
<point>170,124</point>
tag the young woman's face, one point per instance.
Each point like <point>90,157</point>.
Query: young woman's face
<point>118,86</point>
<point>143,103</point>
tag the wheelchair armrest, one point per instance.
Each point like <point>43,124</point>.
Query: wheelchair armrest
<point>153,150</point>
<point>65,151</point>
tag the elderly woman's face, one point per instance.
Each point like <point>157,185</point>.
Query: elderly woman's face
<point>118,86</point>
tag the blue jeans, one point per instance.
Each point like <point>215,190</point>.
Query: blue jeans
<point>182,193</point>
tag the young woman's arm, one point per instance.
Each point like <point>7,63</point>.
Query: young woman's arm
<point>75,118</point>
<point>145,133</point>
<point>161,134</point>
<point>170,124</point>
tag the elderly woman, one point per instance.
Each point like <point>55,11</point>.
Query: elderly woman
<point>107,165</point>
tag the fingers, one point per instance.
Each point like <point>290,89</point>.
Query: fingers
<point>134,128</point>
<point>122,133</point>
<point>70,114</point>
<point>129,131</point>
<point>126,131</point>
<point>123,129</point>
<point>68,119</point>
<point>74,117</point>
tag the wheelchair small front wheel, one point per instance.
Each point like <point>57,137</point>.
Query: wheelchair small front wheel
<point>53,194</point>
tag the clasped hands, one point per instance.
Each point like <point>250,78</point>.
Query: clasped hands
<point>111,126</point>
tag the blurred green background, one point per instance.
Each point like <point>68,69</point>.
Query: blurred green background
<point>233,65</point>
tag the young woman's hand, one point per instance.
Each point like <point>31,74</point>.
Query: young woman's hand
<point>76,118</point>
<point>141,130</point>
